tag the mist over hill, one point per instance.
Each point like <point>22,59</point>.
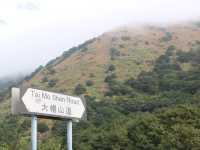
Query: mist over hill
<point>29,37</point>
<point>11,80</point>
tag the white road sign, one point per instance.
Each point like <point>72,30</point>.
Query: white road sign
<point>52,104</point>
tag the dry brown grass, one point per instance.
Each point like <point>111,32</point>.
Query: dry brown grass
<point>139,49</point>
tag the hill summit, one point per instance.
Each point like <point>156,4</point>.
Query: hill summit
<point>130,49</point>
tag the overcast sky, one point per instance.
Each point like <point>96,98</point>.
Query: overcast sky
<point>34,31</point>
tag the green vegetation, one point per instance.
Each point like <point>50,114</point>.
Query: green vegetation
<point>89,82</point>
<point>114,53</point>
<point>153,108</point>
<point>51,71</point>
<point>167,37</point>
<point>52,83</point>
<point>42,127</point>
<point>84,49</point>
<point>44,79</point>
<point>110,77</point>
<point>111,68</point>
<point>79,89</point>
<point>158,110</point>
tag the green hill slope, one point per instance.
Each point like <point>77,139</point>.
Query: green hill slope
<point>130,49</point>
<point>142,87</point>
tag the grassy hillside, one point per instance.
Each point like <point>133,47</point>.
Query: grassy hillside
<point>130,49</point>
<point>142,87</point>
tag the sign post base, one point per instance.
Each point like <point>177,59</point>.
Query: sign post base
<point>34,132</point>
<point>69,135</point>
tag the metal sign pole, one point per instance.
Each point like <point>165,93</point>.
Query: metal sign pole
<point>69,135</point>
<point>48,104</point>
<point>34,132</point>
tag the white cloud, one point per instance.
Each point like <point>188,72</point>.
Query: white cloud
<point>38,30</point>
<point>2,21</point>
<point>27,6</point>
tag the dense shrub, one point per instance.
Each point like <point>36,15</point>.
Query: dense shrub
<point>52,82</point>
<point>89,82</point>
<point>44,79</point>
<point>170,50</point>
<point>42,127</point>
<point>184,57</point>
<point>84,49</point>
<point>79,89</point>
<point>114,53</point>
<point>146,82</point>
<point>51,71</point>
<point>111,68</point>
<point>117,89</point>
<point>167,37</point>
<point>26,124</point>
<point>110,77</point>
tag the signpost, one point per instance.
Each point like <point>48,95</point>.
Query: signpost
<point>34,132</point>
<point>46,104</point>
